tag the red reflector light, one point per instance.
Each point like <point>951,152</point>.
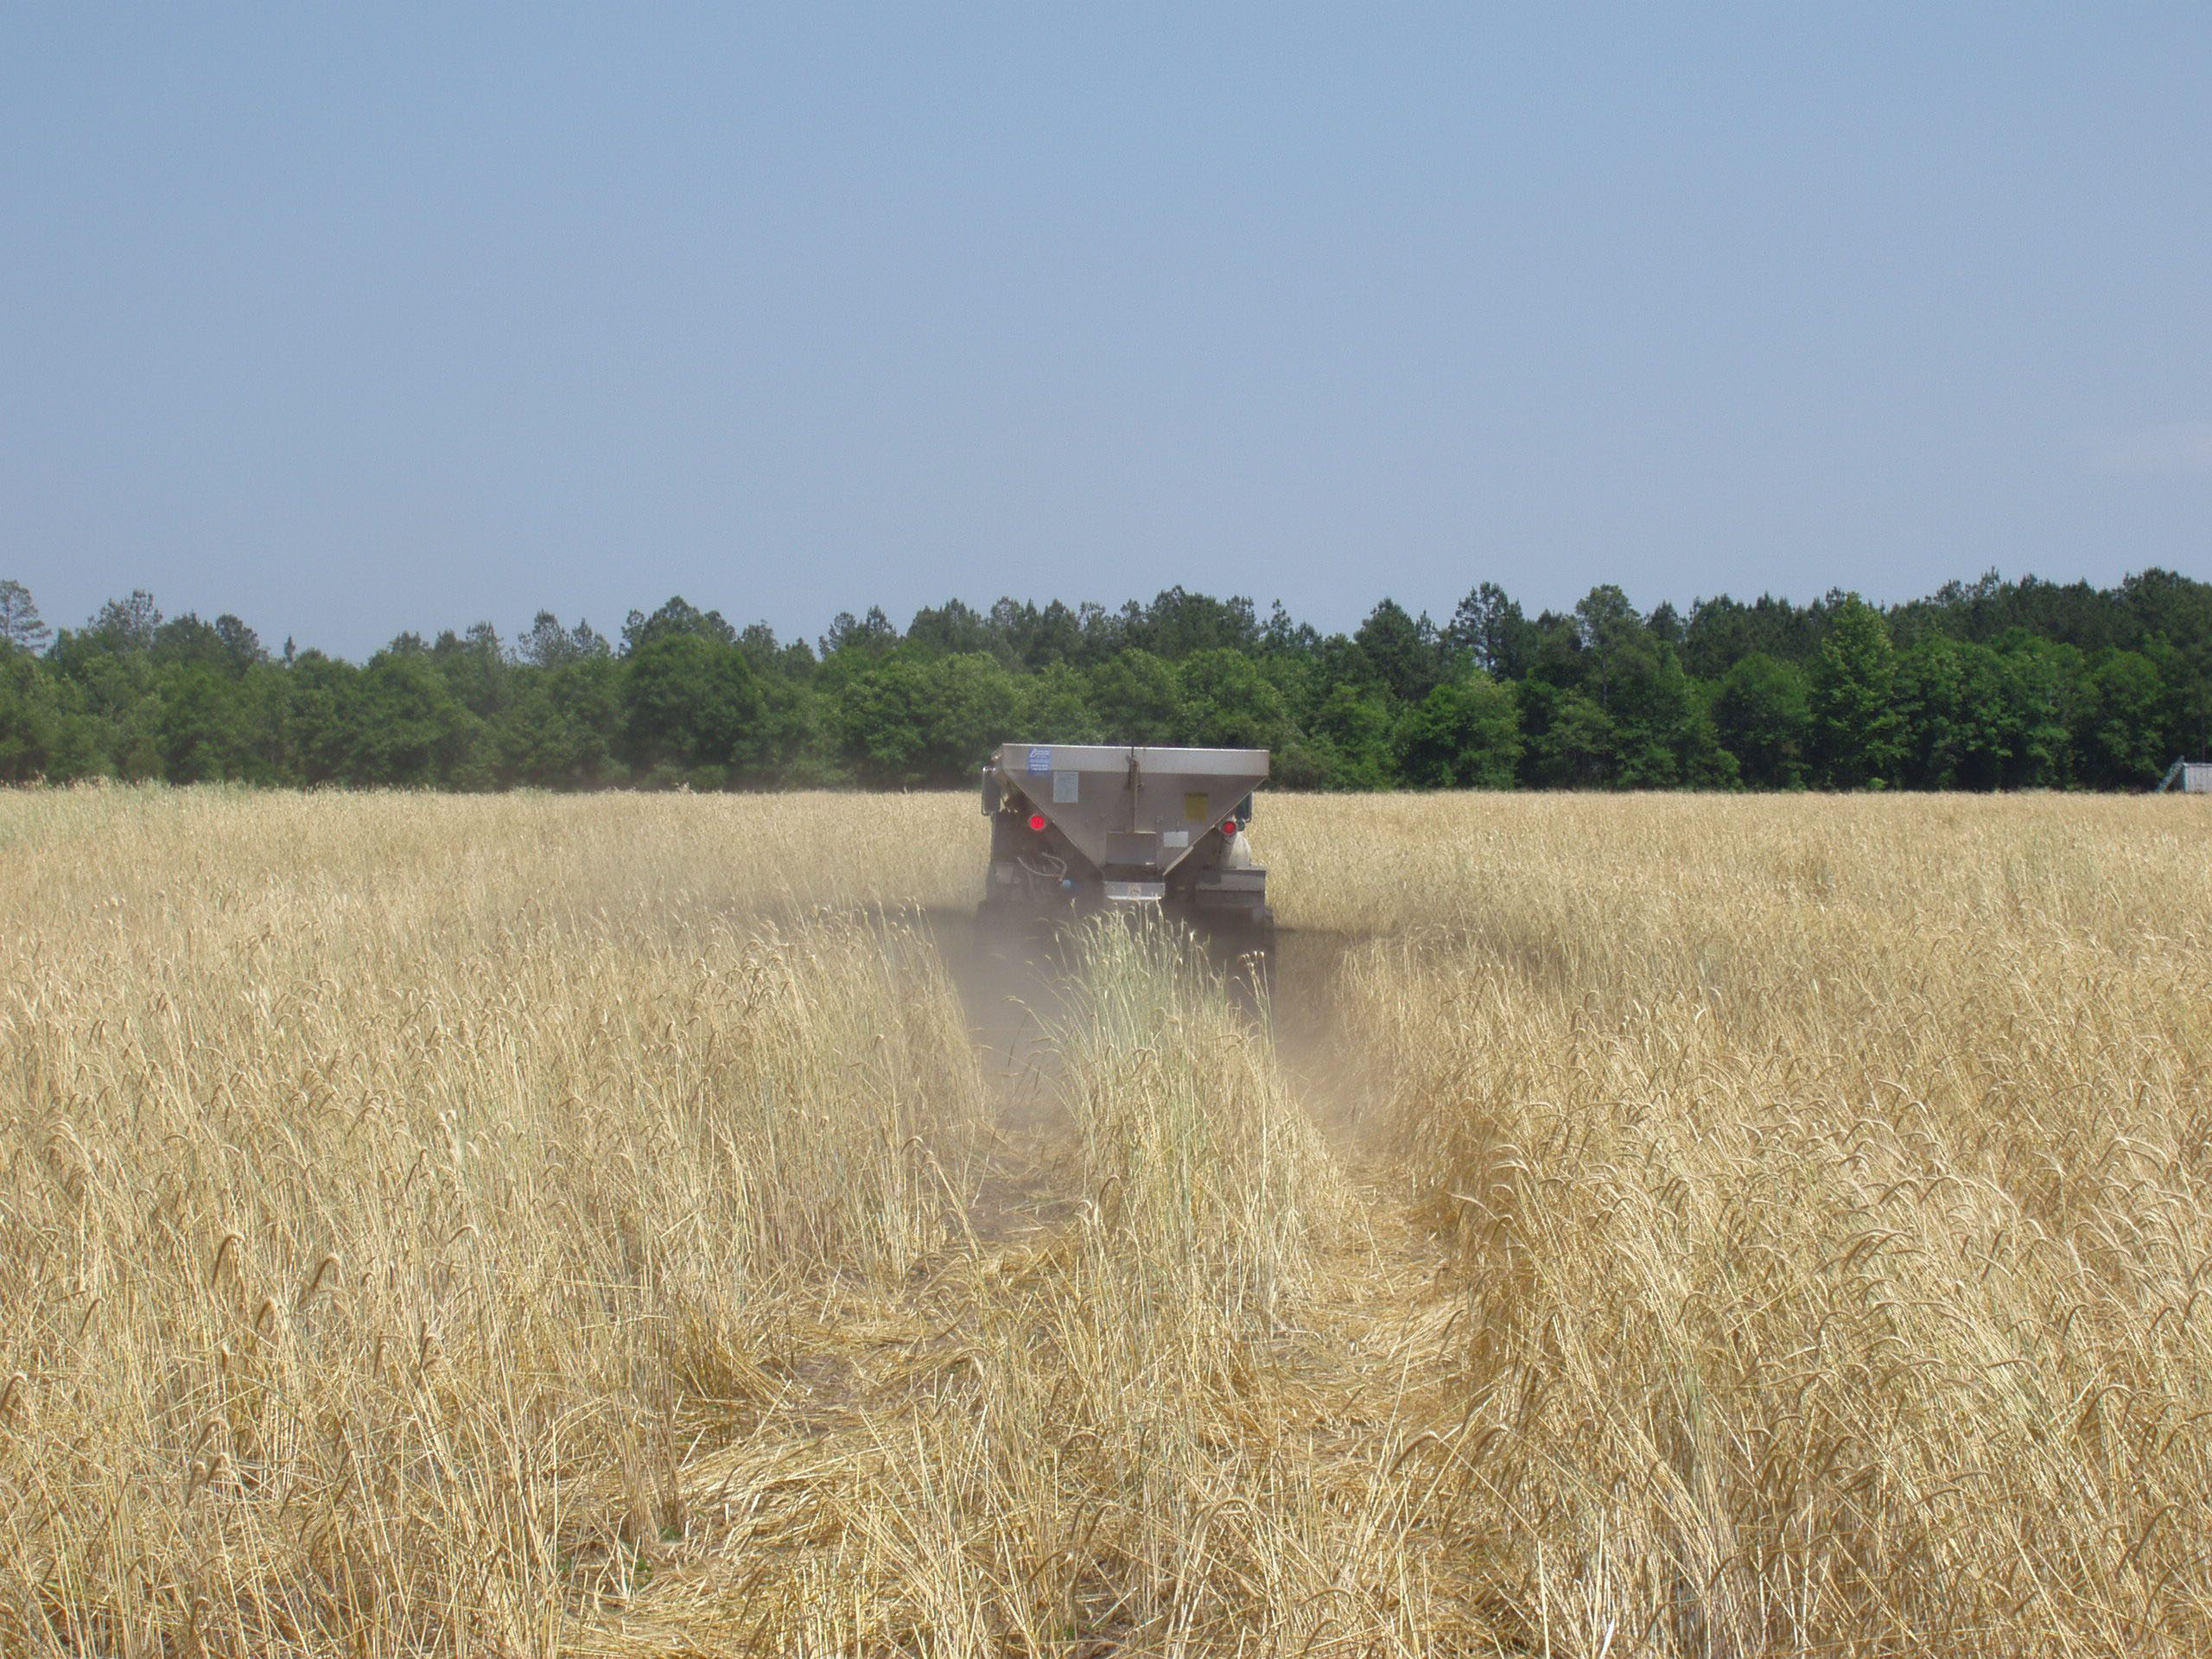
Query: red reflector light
<point>1037,822</point>
<point>1229,827</point>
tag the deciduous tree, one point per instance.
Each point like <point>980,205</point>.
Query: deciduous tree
<point>1466,734</point>
<point>1858,735</point>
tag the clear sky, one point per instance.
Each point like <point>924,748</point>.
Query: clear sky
<point>420,315</point>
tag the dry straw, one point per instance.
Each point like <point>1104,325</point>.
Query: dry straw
<point>1645,1226</point>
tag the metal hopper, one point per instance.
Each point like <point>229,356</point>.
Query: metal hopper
<point>1078,825</point>
<point>1135,813</point>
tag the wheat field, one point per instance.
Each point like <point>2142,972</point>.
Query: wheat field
<point>640,1226</point>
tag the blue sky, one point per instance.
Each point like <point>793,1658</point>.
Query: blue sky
<point>420,315</point>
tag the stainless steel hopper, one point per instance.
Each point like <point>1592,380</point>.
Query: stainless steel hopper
<point>1135,813</point>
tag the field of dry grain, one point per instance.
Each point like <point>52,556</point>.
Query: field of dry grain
<point>663,1225</point>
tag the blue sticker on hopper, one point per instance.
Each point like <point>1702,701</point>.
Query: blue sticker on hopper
<point>1041,759</point>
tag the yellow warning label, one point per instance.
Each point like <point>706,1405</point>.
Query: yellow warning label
<point>1194,808</point>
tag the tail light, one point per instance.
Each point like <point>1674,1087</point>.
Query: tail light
<point>1229,827</point>
<point>1037,822</point>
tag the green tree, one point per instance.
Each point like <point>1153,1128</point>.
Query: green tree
<point>124,625</point>
<point>28,718</point>
<point>2044,686</point>
<point>955,628</point>
<point>1987,684</point>
<point>1582,750</point>
<point>694,712</point>
<point>1610,632</point>
<point>1567,740</point>
<point>1858,732</point>
<point>678,615</point>
<point>1402,652</point>
<point>1055,638</point>
<point>1664,734</point>
<point>119,694</point>
<point>408,730</point>
<point>863,638</point>
<point>1463,735</point>
<point>1282,636</point>
<point>1960,723</point>
<point>206,731</point>
<point>21,629</point>
<point>2184,668</point>
<point>921,719</point>
<point>1178,624</point>
<point>320,724</point>
<point>2123,738</point>
<point>1488,628</point>
<point>242,647</point>
<point>1227,702</point>
<point>187,640</point>
<point>1351,736</point>
<point>1136,698</point>
<point>547,643</point>
<point>562,727</point>
<point>1055,707</point>
<point>476,668</point>
<point>1762,715</point>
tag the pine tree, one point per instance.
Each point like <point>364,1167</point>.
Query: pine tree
<point>20,625</point>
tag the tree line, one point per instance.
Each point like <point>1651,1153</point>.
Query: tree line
<point>1991,684</point>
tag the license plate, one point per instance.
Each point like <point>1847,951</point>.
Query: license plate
<point>1136,892</point>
